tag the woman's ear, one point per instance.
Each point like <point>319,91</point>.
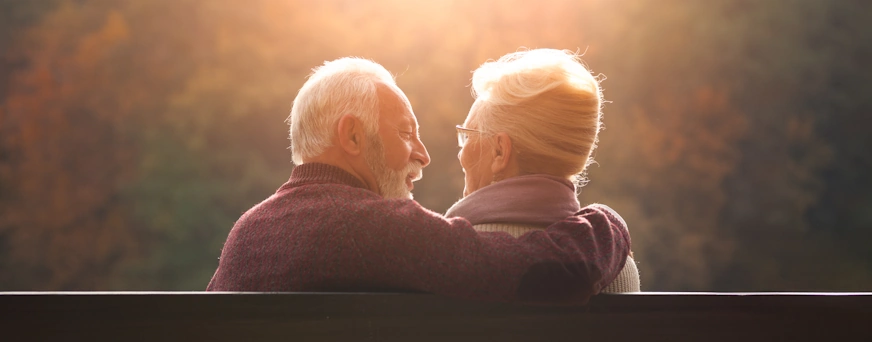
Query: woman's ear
<point>502,151</point>
<point>349,134</point>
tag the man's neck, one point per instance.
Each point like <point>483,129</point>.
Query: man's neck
<point>351,165</point>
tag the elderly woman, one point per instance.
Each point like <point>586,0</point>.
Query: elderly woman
<point>526,143</point>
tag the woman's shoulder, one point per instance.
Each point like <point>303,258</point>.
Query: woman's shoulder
<point>627,281</point>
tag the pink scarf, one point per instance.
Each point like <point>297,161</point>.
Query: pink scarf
<point>532,199</point>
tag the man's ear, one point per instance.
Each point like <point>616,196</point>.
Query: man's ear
<point>349,134</point>
<point>502,149</point>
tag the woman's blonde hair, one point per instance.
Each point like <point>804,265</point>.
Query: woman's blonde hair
<point>549,105</point>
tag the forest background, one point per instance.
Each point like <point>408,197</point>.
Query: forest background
<point>134,133</point>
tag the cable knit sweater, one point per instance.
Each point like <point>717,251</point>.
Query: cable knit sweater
<point>524,204</point>
<point>324,231</point>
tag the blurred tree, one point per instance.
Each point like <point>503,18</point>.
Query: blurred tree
<point>16,16</point>
<point>669,140</point>
<point>217,147</point>
<point>781,78</point>
<point>61,213</point>
<point>133,134</point>
<point>844,209</point>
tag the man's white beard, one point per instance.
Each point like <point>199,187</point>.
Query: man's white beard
<point>391,183</point>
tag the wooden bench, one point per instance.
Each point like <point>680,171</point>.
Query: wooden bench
<point>200,316</point>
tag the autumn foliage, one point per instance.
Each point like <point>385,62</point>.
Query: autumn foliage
<point>133,134</point>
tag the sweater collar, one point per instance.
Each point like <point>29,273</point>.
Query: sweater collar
<point>531,199</point>
<point>317,173</point>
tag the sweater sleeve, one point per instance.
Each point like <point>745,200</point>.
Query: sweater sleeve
<point>398,244</point>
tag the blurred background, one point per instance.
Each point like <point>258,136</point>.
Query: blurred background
<point>134,133</point>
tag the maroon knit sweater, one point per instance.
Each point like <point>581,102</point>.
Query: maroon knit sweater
<point>324,231</point>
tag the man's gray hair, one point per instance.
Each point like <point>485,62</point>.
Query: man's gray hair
<point>343,86</point>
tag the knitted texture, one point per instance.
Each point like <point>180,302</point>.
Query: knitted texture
<point>323,231</point>
<point>627,281</point>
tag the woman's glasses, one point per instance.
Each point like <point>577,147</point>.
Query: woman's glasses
<point>463,134</point>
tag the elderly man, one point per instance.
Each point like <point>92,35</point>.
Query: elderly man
<point>345,220</point>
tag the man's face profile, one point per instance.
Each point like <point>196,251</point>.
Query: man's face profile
<point>395,155</point>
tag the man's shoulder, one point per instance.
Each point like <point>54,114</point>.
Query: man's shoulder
<point>325,192</point>
<point>607,212</point>
<point>351,203</point>
<point>333,206</point>
<point>348,200</point>
<point>303,205</point>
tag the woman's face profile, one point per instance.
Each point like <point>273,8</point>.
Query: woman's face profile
<point>475,157</point>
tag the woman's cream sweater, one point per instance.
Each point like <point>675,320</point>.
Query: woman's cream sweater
<point>627,280</point>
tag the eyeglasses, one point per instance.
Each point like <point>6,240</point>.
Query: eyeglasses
<point>463,134</point>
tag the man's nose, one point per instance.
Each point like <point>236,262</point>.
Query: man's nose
<point>420,154</point>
